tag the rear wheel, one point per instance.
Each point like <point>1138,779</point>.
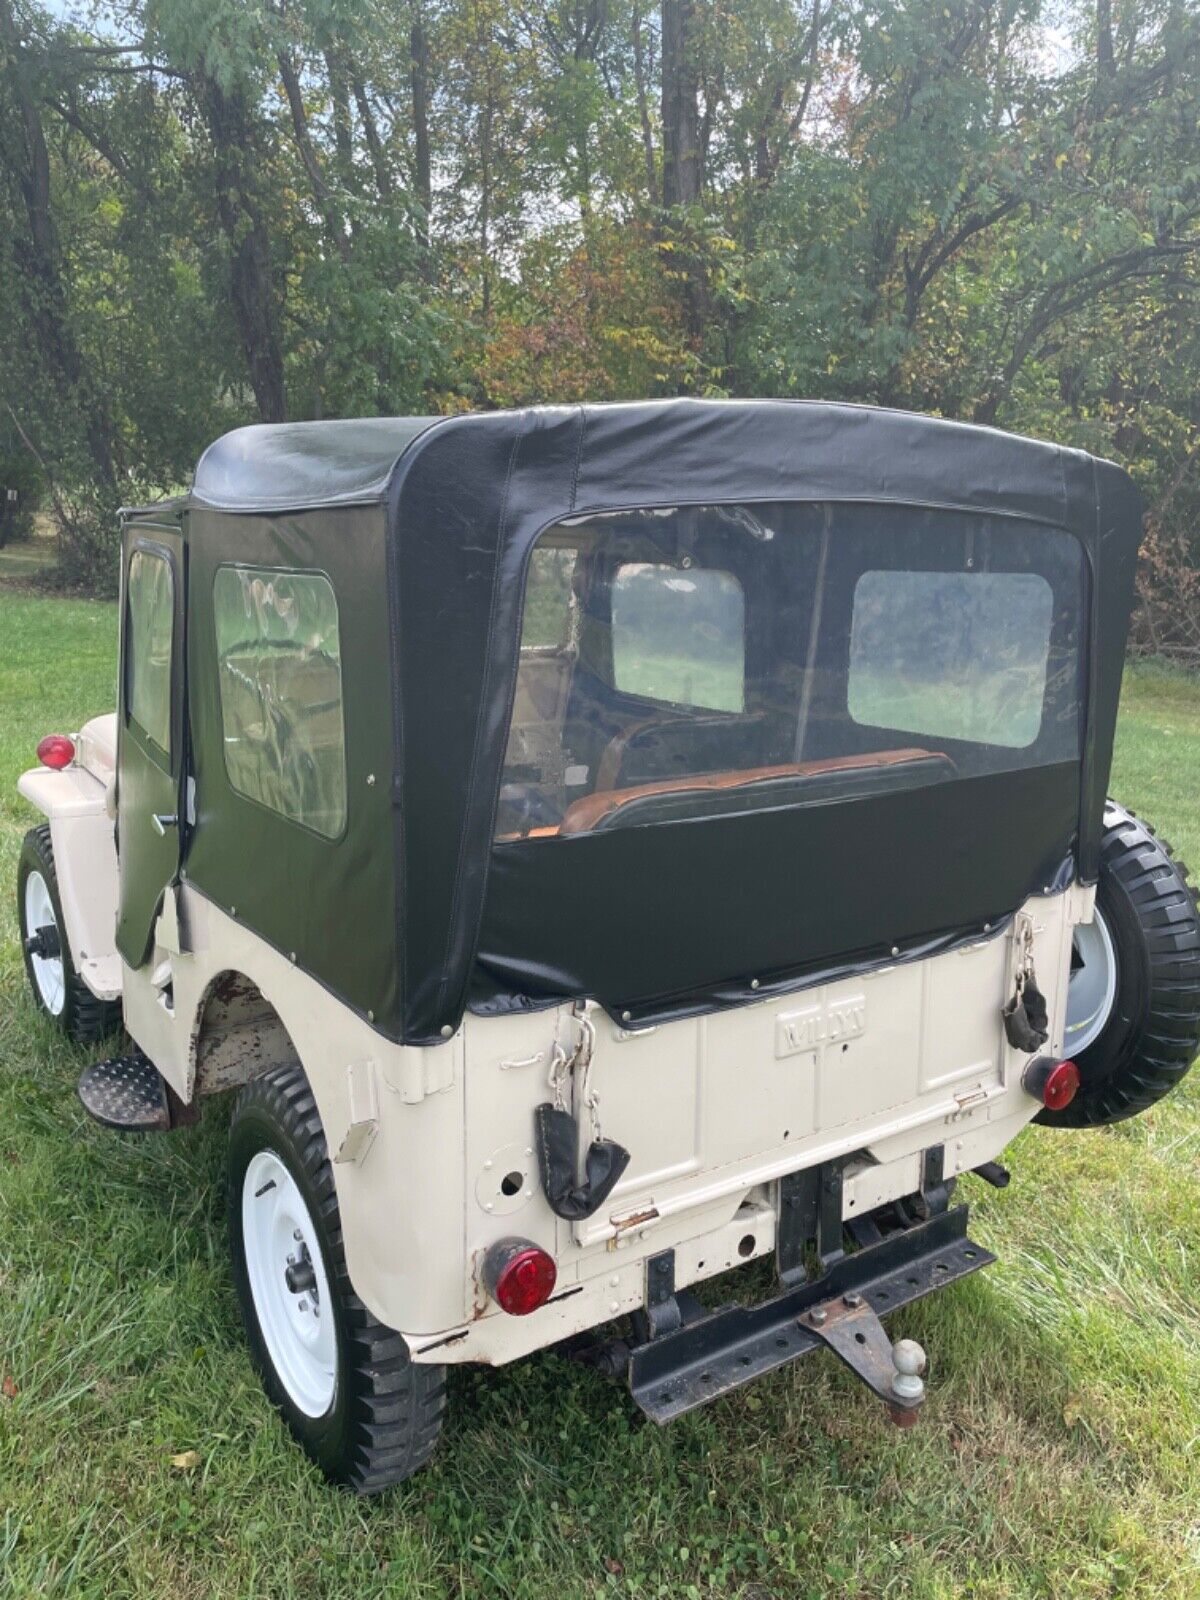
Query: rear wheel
<point>58,990</point>
<point>345,1384</point>
<point>1133,1003</point>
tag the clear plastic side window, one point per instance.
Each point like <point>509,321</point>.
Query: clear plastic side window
<point>689,662</point>
<point>280,673</point>
<point>960,655</point>
<point>679,635</point>
<point>151,624</point>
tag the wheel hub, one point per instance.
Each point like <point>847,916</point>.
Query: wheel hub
<point>299,1275</point>
<point>1092,990</point>
<point>43,944</point>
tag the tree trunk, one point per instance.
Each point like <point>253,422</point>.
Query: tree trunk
<point>383,177</point>
<point>1105,56</point>
<point>485,201</point>
<point>680,104</point>
<point>23,152</point>
<point>422,169</point>
<point>308,157</point>
<point>639,73</point>
<point>343,132</point>
<point>681,156</point>
<point>242,219</point>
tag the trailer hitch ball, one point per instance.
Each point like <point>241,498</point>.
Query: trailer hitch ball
<point>907,1383</point>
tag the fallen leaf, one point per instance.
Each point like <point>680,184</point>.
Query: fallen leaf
<point>1072,1410</point>
<point>186,1460</point>
<point>611,1564</point>
<point>9,1387</point>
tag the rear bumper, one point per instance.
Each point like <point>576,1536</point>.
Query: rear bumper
<point>718,1353</point>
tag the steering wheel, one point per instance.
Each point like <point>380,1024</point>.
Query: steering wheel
<point>525,806</point>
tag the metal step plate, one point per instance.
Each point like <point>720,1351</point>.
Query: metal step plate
<point>126,1092</point>
<point>680,1371</point>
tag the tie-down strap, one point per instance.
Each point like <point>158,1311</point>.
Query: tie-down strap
<point>557,1147</point>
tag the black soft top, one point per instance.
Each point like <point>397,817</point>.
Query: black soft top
<point>457,504</point>
<point>851,452</point>
<point>292,466</point>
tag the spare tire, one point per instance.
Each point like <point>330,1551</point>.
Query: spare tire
<point>1133,1005</point>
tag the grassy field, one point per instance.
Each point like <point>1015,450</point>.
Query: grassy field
<point>1059,1453</point>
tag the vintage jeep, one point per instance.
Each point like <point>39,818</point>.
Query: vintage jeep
<point>604,846</point>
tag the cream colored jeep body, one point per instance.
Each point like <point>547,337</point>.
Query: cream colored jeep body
<point>650,835</point>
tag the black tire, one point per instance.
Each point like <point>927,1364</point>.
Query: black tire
<point>383,1421</point>
<point>1153,1032</point>
<point>81,1016</point>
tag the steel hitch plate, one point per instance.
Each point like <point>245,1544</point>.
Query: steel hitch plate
<point>126,1092</point>
<point>854,1333</point>
<point>735,1344</point>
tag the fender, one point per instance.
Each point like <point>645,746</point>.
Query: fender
<point>79,804</point>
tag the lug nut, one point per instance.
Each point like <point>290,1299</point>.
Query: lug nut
<point>852,1300</point>
<point>818,1316</point>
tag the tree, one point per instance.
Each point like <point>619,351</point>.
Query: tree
<point>253,209</point>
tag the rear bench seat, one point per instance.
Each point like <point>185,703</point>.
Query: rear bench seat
<point>753,789</point>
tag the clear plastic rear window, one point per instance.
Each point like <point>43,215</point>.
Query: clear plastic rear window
<point>688,662</point>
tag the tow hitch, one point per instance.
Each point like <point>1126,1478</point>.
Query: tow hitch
<point>713,1353</point>
<point>852,1331</point>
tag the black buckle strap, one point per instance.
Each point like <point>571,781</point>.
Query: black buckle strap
<point>557,1144</point>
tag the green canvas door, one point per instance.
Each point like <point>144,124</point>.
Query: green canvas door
<point>150,730</point>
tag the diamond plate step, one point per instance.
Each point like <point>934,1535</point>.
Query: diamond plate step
<point>126,1092</point>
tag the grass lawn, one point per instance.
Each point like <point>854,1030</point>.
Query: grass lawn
<point>1059,1453</point>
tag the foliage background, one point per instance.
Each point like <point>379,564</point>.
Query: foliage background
<point>218,211</point>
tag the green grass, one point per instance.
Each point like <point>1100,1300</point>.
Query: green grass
<point>25,557</point>
<point>1059,1453</point>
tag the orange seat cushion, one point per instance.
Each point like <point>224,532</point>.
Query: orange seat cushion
<point>583,815</point>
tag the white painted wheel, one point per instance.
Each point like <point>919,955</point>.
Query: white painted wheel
<point>288,1284</point>
<point>47,971</point>
<point>1092,989</point>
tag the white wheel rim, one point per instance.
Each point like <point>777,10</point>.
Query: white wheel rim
<point>47,970</point>
<point>297,1326</point>
<point>1092,989</point>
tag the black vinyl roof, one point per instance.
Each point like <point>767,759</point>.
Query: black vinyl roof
<point>292,466</point>
<point>289,466</point>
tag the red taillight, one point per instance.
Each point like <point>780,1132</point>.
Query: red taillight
<point>1061,1086</point>
<point>56,751</point>
<point>1054,1083</point>
<point>519,1276</point>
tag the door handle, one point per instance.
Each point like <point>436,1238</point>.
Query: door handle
<point>162,820</point>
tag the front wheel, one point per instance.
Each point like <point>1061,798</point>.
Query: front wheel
<point>1133,1000</point>
<point>345,1384</point>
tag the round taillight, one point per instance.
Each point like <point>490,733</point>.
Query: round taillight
<point>519,1276</point>
<point>1061,1086</point>
<point>56,751</point>
<point>1054,1083</point>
